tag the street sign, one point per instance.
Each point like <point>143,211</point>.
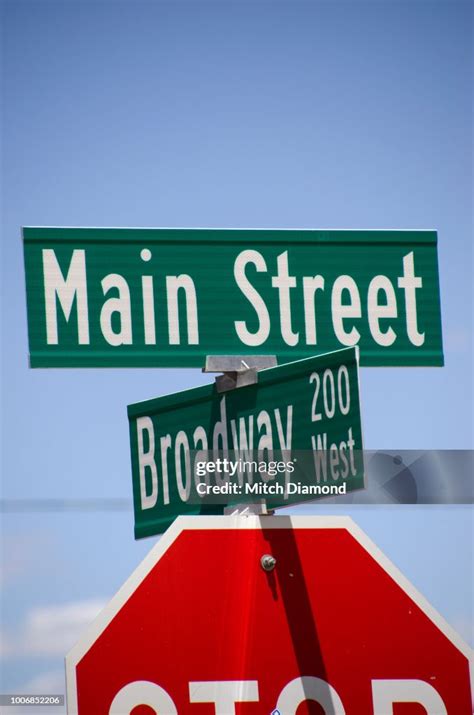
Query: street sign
<point>122,297</point>
<point>293,436</point>
<point>201,627</point>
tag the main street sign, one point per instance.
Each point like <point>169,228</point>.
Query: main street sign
<point>200,627</point>
<point>293,436</point>
<point>122,297</point>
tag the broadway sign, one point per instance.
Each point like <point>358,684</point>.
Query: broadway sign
<point>122,297</point>
<point>293,436</point>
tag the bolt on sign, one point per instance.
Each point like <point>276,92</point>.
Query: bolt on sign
<point>123,297</point>
<point>293,436</point>
<point>253,615</point>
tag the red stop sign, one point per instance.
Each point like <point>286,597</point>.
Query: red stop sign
<point>202,628</point>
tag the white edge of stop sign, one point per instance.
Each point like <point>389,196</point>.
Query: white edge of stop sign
<point>218,523</point>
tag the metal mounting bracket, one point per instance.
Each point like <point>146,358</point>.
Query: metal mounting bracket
<point>239,370</point>
<point>256,508</point>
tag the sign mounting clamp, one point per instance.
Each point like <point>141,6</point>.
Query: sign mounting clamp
<point>238,371</point>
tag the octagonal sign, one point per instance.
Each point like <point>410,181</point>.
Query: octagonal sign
<point>207,626</point>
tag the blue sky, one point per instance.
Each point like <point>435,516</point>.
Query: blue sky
<point>264,114</point>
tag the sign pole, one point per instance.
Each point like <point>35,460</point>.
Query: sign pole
<point>239,371</point>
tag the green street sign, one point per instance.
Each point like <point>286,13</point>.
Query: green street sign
<point>122,297</point>
<point>293,436</point>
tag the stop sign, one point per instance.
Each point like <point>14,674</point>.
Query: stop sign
<point>332,628</point>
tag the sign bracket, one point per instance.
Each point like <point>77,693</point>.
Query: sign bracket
<point>238,370</point>
<point>253,509</point>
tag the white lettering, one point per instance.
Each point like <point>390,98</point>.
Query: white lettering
<point>173,285</point>
<point>300,690</point>
<point>142,692</point>
<point>165,444</point>
<point>342,311</point>
<point>120,305</point>
<point>146,460</point>
<point>224,694</point>
<point>409,282</point>
<point>254,298</point>
<point>386,693</point>
<point>376,311</point>
<point>148,310</point>
<point>310,286</point>
<point>182,444</point>
<point>74,286</point>
<point>284,282</point>
<point>220,435</point>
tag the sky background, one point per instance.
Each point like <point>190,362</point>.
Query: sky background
<point>222,114</point>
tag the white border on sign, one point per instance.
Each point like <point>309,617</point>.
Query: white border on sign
<point>197,523</point>
<point>243,228</point>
